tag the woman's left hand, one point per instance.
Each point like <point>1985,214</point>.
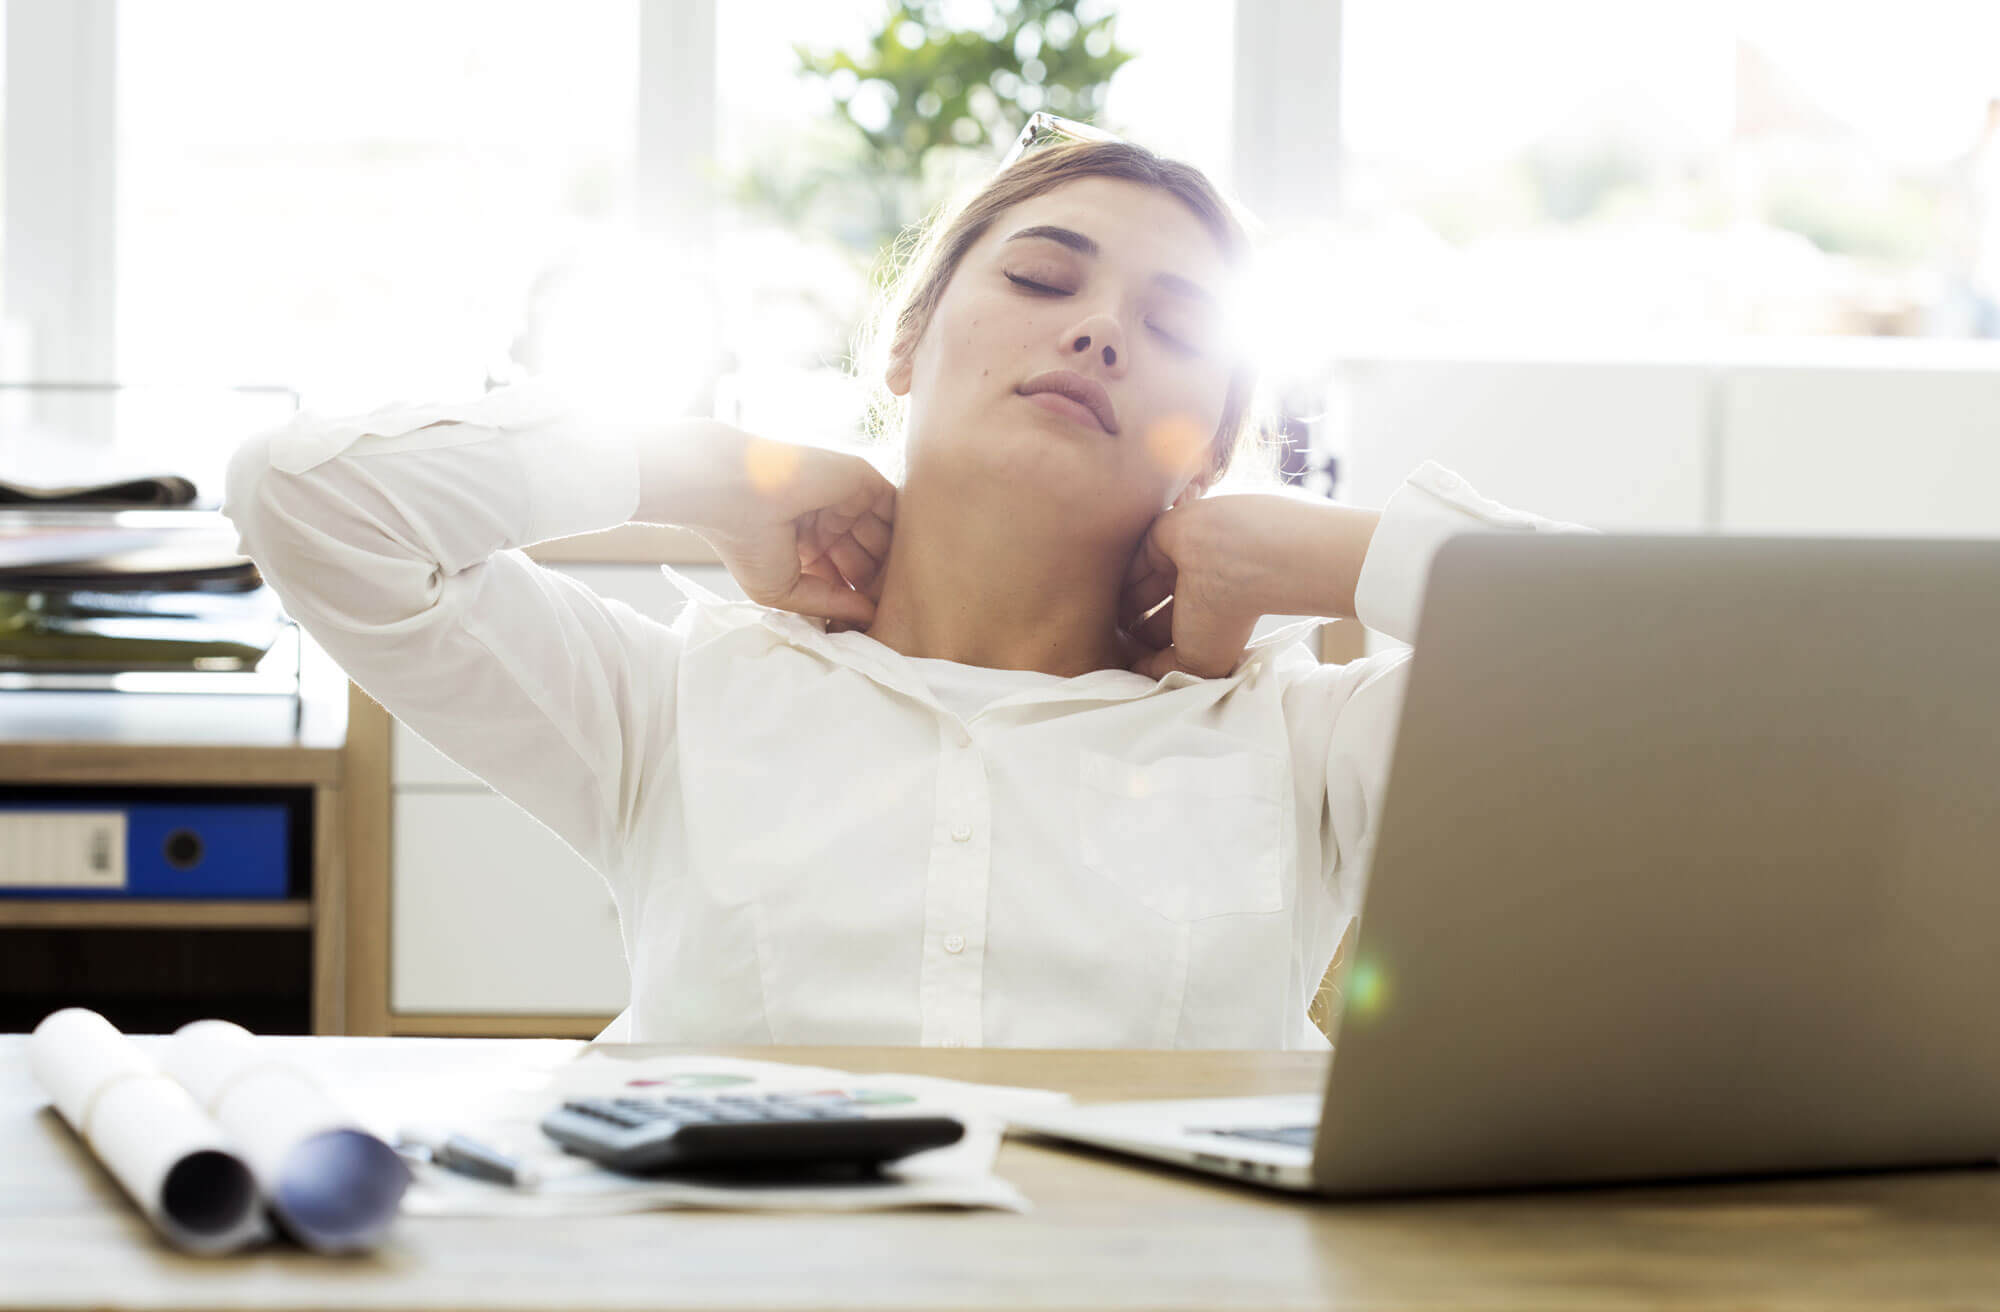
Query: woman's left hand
<point>1210,560</point>
<point>1223,562</point>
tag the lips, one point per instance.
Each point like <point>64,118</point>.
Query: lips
<point>1086,392</point>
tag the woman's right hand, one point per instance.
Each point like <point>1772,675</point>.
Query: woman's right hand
<point>801,528</point>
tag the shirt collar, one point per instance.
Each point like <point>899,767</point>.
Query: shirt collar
<point>889,667</point>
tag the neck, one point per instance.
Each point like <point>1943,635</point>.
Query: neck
<point>988,581</point>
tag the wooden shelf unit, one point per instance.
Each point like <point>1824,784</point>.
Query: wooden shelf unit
<point>122,913</point>
<point>118,743</point>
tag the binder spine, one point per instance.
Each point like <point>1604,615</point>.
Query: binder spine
<point>145,850</point>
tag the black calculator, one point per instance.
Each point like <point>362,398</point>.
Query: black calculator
<point>751,1134</point>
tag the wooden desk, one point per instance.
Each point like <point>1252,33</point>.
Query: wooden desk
<point>1104,1233</point>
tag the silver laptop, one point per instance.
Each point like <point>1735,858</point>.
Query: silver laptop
<point>1689,866</point>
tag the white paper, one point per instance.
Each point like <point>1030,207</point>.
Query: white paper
<point>334,1186</point>
<point>958,1175</point>
<point>166,1153</point>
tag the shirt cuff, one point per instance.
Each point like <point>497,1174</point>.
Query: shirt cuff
<point>1431,506</point>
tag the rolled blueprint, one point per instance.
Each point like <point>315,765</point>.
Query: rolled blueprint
<point>329,1183</point>
<point>155,1141</point>
<point>333,1186</point>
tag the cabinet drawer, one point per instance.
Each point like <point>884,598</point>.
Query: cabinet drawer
<point>1899,452</point>
<point>1615,446</point>
<point>492,915</point>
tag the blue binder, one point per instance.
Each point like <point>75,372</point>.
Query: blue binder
<point>185,850</point>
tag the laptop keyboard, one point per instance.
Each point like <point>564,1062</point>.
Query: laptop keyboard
<point>1296,1136</point>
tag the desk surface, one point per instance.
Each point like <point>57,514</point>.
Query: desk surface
<point>1104,1233</point>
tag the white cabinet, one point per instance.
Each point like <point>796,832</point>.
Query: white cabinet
<point>494,915</point>
<point>1898,451</point>
<point>490,914</point>
<point>1614,445</point>
<point>1833,439</point>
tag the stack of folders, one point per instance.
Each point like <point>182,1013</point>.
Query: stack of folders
<point>220,1141</point>
<point>105,590</point>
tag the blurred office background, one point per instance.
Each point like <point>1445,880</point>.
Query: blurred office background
<point>1691,265</point>
<point>1525,237</point>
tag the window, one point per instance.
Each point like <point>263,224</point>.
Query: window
<point>1563,169</point>
<point>361,199</point>
<point>797,241</point>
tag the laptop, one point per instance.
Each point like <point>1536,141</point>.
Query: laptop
<point>1689,866</point>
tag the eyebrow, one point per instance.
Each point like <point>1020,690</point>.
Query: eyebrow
<point>1083,245</point>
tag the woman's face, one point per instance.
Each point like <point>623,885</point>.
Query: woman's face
<point>1113,282</point>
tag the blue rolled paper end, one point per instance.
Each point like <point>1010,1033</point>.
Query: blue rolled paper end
<point>338,1192</point>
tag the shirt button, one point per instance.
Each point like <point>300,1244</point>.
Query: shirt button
<point>954,942</point>
<point>960,833</point>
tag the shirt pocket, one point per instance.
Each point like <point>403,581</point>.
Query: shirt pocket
<point>1190,836</point>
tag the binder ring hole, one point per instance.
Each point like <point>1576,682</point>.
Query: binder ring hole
<point>183,849</point>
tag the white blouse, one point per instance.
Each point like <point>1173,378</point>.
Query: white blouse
<point>811,838</point>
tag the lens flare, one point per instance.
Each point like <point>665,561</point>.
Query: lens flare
<point>1367,990</point>
<point>769,465</point>
<point>1174,442</point>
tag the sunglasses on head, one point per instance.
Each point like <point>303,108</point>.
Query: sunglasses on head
<point>1046,129</point>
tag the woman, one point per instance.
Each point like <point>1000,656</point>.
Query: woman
<point>938,781</point>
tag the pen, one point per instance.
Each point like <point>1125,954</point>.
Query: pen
<point>466,1156</point>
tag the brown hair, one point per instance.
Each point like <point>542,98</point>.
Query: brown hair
<point>925,257</point>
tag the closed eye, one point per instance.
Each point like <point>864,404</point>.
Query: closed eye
<point>1044,289</point>
<point>1037,286</point>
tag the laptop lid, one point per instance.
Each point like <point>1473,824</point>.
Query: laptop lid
<point>1689,865</point>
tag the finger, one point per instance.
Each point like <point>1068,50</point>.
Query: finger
<point>873,532</point>
<point>869,491</point>
<point>813,594</point>
<point>806,530</point>
<point>1157,629</point>
<point>822,568</point>
<point>1148,558</point>
<point>1138,598</point>
<point>1149,579</point>
<point>1158,664</point>
<point>854,564</point>
<point>1215,647</point>
<point>828,528</point>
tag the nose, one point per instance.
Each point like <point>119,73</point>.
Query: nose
<point>1100,338</point>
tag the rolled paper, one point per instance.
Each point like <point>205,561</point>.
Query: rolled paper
<point>332,1185</point>
<point>165,1152</point>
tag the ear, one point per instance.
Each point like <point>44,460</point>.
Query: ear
<point>902,364</point>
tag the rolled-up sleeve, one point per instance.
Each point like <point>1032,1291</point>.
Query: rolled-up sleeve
<point>392,537</point>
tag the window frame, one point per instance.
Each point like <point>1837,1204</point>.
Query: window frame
<point>61,94</point>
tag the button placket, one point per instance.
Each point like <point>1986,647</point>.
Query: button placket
<point>955,893</point>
